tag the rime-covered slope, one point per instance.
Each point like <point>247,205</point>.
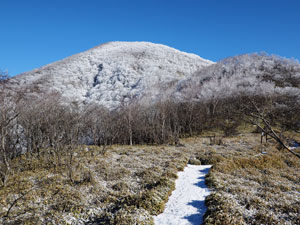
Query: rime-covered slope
<point>249,74</point>
<point>114,72</point>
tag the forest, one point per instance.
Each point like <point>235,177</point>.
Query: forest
<point>255,90</point>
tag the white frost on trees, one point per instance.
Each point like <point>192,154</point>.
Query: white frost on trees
<point>115,72</point>
<point>250,74</point>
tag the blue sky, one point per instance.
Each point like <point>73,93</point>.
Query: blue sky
<point>37,32</point>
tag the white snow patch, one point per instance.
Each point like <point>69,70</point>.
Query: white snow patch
<point>186,204</point>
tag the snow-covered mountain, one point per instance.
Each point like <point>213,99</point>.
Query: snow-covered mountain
<point>113,73</point>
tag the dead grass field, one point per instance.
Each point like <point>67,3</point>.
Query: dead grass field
<point>129,184</point>
<point>126,185</point>
<point>250,187</point>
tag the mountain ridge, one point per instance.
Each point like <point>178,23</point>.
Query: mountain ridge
<point>117,73</point>
<point>114,72</point>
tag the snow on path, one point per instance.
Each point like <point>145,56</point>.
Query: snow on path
<point>186,204</point>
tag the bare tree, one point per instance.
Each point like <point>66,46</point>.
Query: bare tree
<point>8,116</point>
<point>263,116</point>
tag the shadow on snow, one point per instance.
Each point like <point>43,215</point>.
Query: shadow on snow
<point>197,218</point>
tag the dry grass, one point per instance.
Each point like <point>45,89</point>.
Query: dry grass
<point>127,185</point>
<point>250,187</point>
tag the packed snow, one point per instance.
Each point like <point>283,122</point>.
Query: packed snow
<point>186,205</point>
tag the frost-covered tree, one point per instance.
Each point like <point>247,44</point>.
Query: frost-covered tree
<point>249,74</point>
<point>222,88</point>
<point>9,131</point>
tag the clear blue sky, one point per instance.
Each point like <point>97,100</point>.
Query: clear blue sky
<point>37,32</point>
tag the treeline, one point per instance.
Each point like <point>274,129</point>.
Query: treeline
<point>45,127</point>
<point>44,123</point>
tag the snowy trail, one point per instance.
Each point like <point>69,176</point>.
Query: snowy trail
<point>186,204</point>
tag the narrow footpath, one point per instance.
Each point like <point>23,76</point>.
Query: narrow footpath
<point>186,204</point>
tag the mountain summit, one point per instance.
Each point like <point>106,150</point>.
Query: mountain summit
<point>114,73</point>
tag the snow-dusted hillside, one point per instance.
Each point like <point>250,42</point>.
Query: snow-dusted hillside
<point>114,72</point>
<point>249,74</point>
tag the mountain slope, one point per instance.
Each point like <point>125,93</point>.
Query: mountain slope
<point>249,74</point>
<point>113,73</point>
